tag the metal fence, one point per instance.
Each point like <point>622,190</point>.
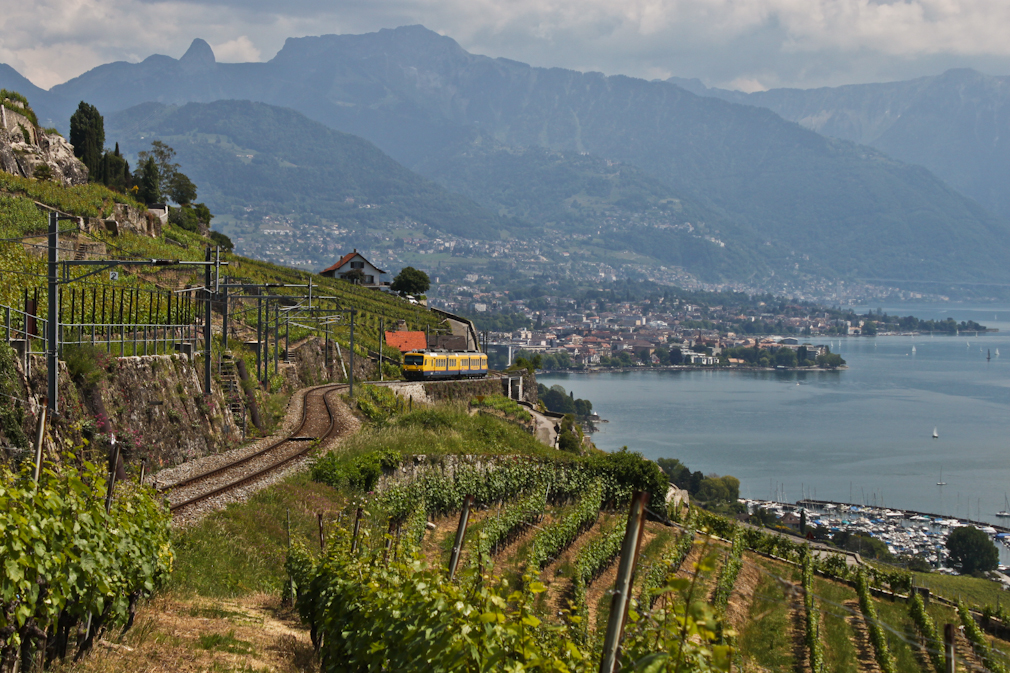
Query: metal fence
<point>29,333</point>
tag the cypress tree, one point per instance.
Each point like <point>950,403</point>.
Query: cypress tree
<point>87,135</point>
<point>149,191</point>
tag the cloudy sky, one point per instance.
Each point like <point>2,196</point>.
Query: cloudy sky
<point>743,44</point>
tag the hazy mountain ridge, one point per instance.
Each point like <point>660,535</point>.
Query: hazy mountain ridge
<point>802,204</point>
<point>264,160</point>
<point>956,124</point>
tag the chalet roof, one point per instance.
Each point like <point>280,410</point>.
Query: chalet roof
<point>344,260</point>
<point>407,341</point>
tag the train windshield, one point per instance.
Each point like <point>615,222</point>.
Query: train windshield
<point>413,359</point>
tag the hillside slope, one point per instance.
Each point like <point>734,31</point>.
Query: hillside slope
<point>252,159</point>
<point>813,205</point>
<point>956,124</point>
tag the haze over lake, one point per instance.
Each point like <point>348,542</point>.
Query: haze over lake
<point>863,433</point>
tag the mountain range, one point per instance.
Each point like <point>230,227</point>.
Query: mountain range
<point>956,124</point>
<point>774,193</point>
<point>278,161</point>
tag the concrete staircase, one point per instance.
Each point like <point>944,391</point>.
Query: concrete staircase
<point>231,386</point>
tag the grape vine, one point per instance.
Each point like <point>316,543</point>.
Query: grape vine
<point>877,636</point>
<point>979,642</point>
<point>928,632</point>
<point>815,648</point>
<point>65,558</point>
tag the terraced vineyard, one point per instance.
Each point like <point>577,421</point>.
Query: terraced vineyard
<point>150,296</point>
<point>541,553</point>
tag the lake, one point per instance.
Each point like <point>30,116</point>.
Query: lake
<point>858,435</point>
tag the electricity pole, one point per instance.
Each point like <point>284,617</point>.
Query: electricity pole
<point>206,326</point>
<point>351,373</point>
<point>52,324</point>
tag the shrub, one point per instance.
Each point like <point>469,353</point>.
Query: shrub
<point>361,472</point>
<point>87,364</point>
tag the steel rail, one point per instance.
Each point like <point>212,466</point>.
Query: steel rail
<point>293,437</point>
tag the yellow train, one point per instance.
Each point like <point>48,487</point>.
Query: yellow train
<point>439,364</point>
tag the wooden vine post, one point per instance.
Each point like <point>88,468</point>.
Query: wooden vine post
<point>622,587</point>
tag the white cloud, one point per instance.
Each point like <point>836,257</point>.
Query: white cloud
<point>771,42</point>
<point>747,85</point>
<point>239,50</point>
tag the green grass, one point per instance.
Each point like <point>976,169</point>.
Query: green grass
<point>901,633</point>
<point>651,553</point>
<point>836,633</point>
<point>447,430</point>
<point>972,590</point>
<point>226,642</point>
<point>241,549</point>
<point>765,639</point>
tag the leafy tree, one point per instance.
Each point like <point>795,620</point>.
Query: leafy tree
<point>222,240</point>
<point>355,276</point>
<point>163,156</point>
<point>830,360</point>
<point>785,357</point>
<point>181,189</point>
<point>972,549</point>
<point>568,441</point>
<point>87,135</point>
<point>172,183</point>
<point>411,281</point>
<point>203,214</point>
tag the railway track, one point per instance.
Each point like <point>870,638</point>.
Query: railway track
<point>318,422</point>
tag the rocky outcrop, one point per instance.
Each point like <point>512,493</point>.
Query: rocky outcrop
<point>25,149</point>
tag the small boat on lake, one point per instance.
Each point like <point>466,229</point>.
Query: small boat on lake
<point>937,436</point>
<point>1005,512</point>
<point>941,482</point>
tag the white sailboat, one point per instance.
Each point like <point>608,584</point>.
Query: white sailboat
<point>941,482</point>
<point>913,349</point>
<point>1005,512</point>
<point>936,435</point>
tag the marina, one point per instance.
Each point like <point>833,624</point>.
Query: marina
<point>907,533</point>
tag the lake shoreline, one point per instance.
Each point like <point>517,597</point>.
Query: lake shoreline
<point>687,368</point>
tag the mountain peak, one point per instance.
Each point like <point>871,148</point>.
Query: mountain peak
<point>199,53</point>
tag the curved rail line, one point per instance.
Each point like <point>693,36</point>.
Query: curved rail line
<point>296,436</point>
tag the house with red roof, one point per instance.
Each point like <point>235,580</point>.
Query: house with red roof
<point>351,263</point>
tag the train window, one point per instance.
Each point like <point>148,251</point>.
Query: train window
<point>413,359</point>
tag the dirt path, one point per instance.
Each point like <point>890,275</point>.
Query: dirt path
<point>191,635</point>
<point>507,554</point>
<point>861,638</point>
<point>743,594</point>
<point>559,587</point>
<point>797,623</point>
<point>965,654</point>
<point>604,584</point>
